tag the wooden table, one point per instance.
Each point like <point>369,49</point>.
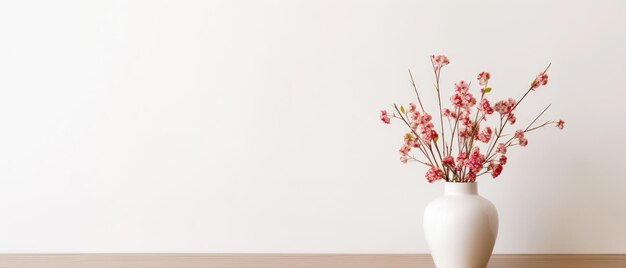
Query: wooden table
<point>293,261</point>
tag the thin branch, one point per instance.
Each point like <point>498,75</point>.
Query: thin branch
<point>531,123</point>
<point>416,93</point>
<point>415,159</point>
<point>540,126</point>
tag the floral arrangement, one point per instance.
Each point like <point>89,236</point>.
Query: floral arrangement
<point>465,161</point>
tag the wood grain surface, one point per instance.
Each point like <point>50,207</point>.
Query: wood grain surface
<point>293,261</point>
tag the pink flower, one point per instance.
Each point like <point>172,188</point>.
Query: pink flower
<point>457,100</point>
<point>511,117</point>
<point>404,159</point>
<point>541,80</point>
<point>501,149</point>
<point>463,99</point>
<point>408,140</point>
<point>469,99</point>
<point>461,86</point>
<point>465,132</point>
<point>471,176</point>
<point>475,161</point>
<point>519,135</point>
<point>405,149</point>
<point>412,107</point>
<point>448,161</point>
<point>415,116</point>
<point>461,160</point>
<point>426,118</point>
<point>485,106</point>
<point>439,61</point>
<point>429,135</point>
<point>560,124</point>
<point>464,118</point>
<point>483,77</point>
<point>501,107</point>
<point>426,127</point>
<point>384,117</point>
<point>433,174</point>
<point>523,142</point>
<point>485,135</point>
<point>447,112</point>
<point>505,106</point>
<point>496,169</point>
<point>502,160</point>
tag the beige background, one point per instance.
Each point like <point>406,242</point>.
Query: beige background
<point>236,126</point>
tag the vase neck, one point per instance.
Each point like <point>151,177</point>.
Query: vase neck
<point>461,188</point>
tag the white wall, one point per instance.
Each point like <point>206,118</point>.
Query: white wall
<point>226,126</point>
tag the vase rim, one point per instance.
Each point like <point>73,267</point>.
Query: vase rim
<point>461,188</point>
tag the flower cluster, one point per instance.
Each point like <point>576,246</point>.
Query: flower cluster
<point>457,156</point>
<point>485,107</point>
<point>433,174</point>
<point>485,135</point>
<point>483,78</point>
<point>385,117</point>
<point>519,135</point>
<point>505,106</point>
<point>475,163</point>
<point>462,99</point>
<point>541,80</point>
<point>496,167</point>
<point>439,61</point>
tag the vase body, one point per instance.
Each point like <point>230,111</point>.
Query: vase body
<point>461,227</point>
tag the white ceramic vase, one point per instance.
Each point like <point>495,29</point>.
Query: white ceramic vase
<point>461,227</point>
